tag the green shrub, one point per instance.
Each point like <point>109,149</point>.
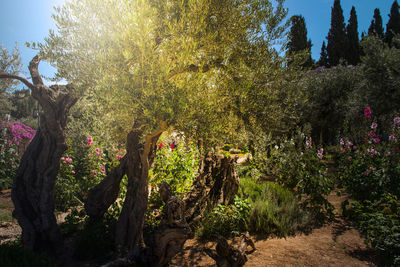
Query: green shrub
<point>225,220</point>
<point>13,254</point>
<point>274,209</point>
<point>176,164</point>
<point>380,222</point>
<point>297,165</point>
<point>227,147</point>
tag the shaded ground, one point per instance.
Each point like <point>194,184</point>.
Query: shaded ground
<point>335,244</point>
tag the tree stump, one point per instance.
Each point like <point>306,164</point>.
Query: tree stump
<point>217,183</point>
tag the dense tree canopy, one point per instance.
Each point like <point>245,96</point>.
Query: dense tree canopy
<point>376,27</point>
<point>298,41</point>
<point>157,61</point>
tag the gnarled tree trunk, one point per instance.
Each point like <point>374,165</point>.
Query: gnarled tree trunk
<point>217,183</point>
<point>32,191</point>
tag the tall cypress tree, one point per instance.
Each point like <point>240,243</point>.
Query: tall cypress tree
<point>337,44</point>
<point>298,38</point>
<point>393,25</point>
<point>376,27</point>
<point>323,58</point>
<point>353,45</point>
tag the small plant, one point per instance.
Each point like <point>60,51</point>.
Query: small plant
<point>274,209</point>
<point>225,220</point>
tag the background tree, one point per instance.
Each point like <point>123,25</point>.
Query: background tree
<point>298,39</point>
<point>376,27</point>
<point>9,63</point>
<point>393,25</point>
<point>323,58</point>
<point>337,45</point>
<point>353,46</point>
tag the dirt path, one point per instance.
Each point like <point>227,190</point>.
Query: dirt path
<point>335,244</point>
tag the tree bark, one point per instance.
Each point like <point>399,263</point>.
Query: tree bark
<point>217,183</point>
<point>33,187</point>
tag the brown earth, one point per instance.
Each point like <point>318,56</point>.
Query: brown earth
<point>335,244</point>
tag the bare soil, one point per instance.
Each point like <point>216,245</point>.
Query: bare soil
<point>335,244</point>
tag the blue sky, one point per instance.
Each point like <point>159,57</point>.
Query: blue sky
<point>30,20</point>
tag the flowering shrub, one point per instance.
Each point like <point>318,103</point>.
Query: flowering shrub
<point>11,136</point>
<point>176,164</point>
<point>372,168</point>
<point>300,167</point>
<point>82,166</point>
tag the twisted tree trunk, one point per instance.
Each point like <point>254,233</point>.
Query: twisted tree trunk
<point>32,191</point>
<point>217,183</point>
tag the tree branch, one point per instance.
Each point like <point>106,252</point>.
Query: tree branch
<point>34,70</point>
<point>4,75</point>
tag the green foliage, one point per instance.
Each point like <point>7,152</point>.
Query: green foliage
<point>225,220</point>
<point>176,164</point>
<point>380,222</point>
<point>13,254</point>
<point>9,63</point>
<point>296,165</point>
<point>274,209</point>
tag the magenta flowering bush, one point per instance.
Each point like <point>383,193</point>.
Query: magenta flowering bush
<point>372,168</point>
<point>12,134</point>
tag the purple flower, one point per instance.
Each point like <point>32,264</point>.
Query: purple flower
<point>374,125</point>
<point>396,121</point>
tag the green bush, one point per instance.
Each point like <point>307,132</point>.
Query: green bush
<point>227,147</point>
<point>13,254</point>
<point>176,164</point>
<point>380,222</point>
<point>297,165</point>
<point>225,220</point>
<point>274,209</point>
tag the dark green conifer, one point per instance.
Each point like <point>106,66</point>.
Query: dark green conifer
<point>337,41</point>
<point>393,25</point>
<point>298,38</point>
<point>323,59</point>
<point>353,46</point>
<point>376,27</point>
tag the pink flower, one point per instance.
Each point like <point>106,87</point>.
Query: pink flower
<point>68,159</point>
<point>392,137</point>
<point>342,150</point>
<point>396,121</point>
<point>103,170</point>
<point>73,172</point>
<point>308,142</point>
<point>377,140</point>
<point>349,158</point>
<point>97,150</point>
<point>161,145</point>
<point>341,141</point>
<point>172,146</point>
<point>372,134</point>
<point>89,141</point>
<point>354,147</point>
<point>374,125</point>
<point>94,173</point>
<point>320,153</point>
<point>119,157</point>
<point>367,113</point>
<point>63,159</point>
